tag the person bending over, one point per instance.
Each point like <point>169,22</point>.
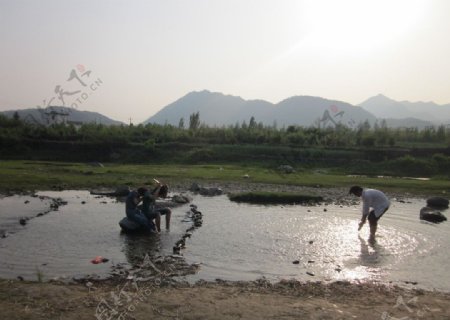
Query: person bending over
<point>375,204</point>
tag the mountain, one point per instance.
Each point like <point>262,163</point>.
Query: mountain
<point>408,123</point>
<point>219,109</point>
<point>56,114</point>
<point>384,107</point>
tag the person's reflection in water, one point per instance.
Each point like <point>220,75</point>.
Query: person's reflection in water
<point>136,247</point>
<point>370,258</point>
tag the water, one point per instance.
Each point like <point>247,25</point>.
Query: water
<point>62,243</point>
<point>249,241</point>
<point>237,242</point>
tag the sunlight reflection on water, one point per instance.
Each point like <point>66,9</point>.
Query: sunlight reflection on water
<point>236,241</point>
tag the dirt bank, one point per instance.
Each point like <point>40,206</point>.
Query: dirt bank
<point>218,300</point>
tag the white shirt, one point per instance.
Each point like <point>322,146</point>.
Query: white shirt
<point>376,200</point>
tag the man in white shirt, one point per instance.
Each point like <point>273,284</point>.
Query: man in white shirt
<point>375,204</point>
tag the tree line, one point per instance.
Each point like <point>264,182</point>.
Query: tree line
<point>13,130</point>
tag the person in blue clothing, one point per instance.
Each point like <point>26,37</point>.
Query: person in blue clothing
<point>132,211</point>
<point>154,212</point>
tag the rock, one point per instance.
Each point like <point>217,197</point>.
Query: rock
<point>122,191</point>
<point>180,243</point>
<point>79,278</point>
<point>181,198</point>
<point>310,273</point>
<point>195,187</point>
<point>437,202</point>
<point>246,176</point>
<point>210,191</point>
<point>176,250</point>
<point>213,191</point>
<point>286,169</point>
<point>431,215</point>
<point>194,209</point>
<point>54,206</point>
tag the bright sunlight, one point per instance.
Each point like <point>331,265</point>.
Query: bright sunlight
<point>359,26</point>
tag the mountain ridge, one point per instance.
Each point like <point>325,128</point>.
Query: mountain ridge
<point>384,107</point>
<point>59,114</point>
<point>218,109</point>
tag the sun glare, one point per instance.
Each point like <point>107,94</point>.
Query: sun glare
<point>355,25</point>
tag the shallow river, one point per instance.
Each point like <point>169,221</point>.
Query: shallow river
<point>236,241</point>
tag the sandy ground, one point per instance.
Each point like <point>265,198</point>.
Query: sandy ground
<point>218,300</point>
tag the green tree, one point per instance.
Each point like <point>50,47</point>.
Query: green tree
<point>194,121</point>
<point>252,123</point>
<point>16,116</point>
<point>181,123</point>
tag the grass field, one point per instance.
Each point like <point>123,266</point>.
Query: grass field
<point>38,175</point>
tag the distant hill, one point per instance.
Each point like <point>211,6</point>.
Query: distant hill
<point>384,108</point>
<point>408,123</point>
<point>57,114</point>
<point>217,109</point>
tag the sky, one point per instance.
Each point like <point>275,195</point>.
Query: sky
<point>129,59</point>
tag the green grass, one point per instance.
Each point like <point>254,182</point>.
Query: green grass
<point>37,175</point>
<point>274,198</point>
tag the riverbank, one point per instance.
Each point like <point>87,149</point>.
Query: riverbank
<point>219,300</point>
<point>20,176</point>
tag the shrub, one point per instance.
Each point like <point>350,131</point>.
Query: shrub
<point>274,198</point>
<point>442,162</point>
<point>410,166</point>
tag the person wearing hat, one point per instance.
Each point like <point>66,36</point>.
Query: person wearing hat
<point>375,204</point>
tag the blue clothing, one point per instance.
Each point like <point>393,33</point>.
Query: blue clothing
<point>130,202</point>
<point>134,214</point>
<point>140,219</point>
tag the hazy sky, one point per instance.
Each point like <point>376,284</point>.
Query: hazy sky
<point>143,55</point>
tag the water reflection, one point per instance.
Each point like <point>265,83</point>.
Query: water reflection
<point>371,252</point>
<point>237,241</point>
<point>137,246</point>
